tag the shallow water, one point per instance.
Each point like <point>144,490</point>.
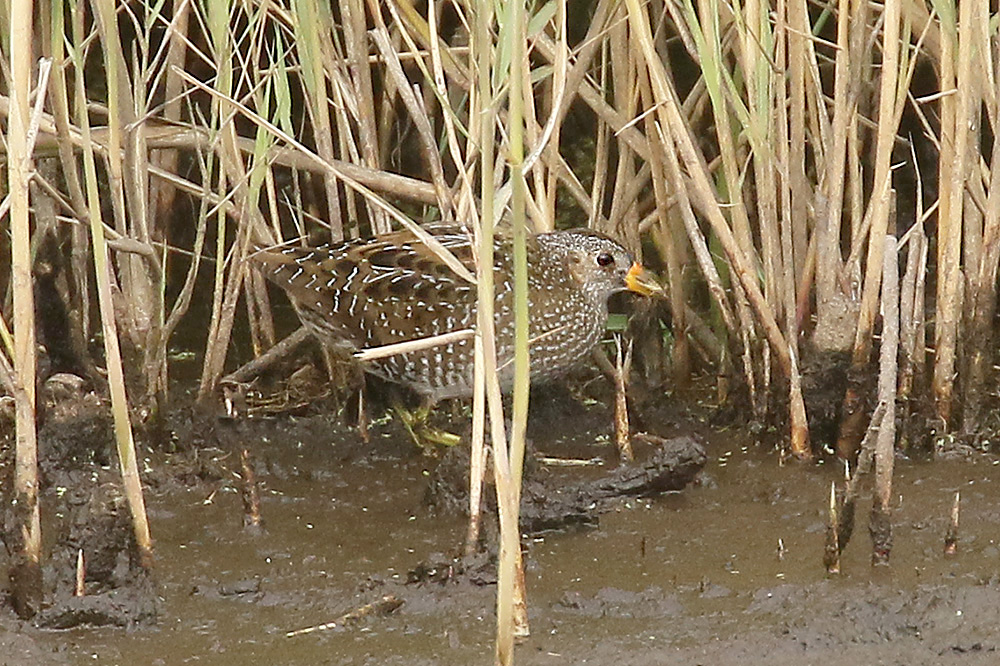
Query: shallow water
<point>690,577</point>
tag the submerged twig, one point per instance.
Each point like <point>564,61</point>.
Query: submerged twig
<point>384,606</point>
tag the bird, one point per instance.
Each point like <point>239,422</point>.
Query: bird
<point>371,292</point>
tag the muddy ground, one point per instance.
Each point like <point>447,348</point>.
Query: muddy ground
<point>726,571</point>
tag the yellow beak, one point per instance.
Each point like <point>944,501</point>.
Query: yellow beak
<point>641,281</point>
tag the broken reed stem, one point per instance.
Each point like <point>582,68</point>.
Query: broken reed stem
<point>832,549</point>
<point>623,436</point>
<point>840,526</point>
<point>907,320</point>
<point>249,493</point>
<point>79,587</point>
<point>951,536</point>
<point>845,511</point>
<point>880,527</point>
<point>845,523</point>
<point>797,421</point>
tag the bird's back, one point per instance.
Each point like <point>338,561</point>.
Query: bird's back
<point>373,292</point>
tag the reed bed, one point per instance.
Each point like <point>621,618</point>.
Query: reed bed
<point>759,154</point>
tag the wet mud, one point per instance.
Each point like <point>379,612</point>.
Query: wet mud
<point>708,550</point>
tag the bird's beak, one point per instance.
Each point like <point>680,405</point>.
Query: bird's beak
<point>641,281</point>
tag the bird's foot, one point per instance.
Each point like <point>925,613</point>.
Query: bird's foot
<point>426,436</point>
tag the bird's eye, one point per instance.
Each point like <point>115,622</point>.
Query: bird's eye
<point>605,259</point>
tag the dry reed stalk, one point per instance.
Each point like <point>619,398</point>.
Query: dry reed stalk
<point>695,236</point>
<point>832,305</point>
<point>138,276</point>
<point>183,300</point>
<point>79,305</point>
<point>880,527</point>
<point>356,51</point>
<point>428,143</point>
<point>788,230</point>
<point>558,89</point>
<point>951,186</point>
<point>485,111</point>
<point>875,225</point>
<point>748,335</point>
<point>162,194</point>
<point>759,125</point>
<point>112,352</point>
<point>671,118</point>
<point>910,328</point>
<point>196,138</point>
<point>258,307</point>
<point>202,139</point>
<point>671,232</point>
<point>430,241</point>
<point>797,36</point>
<point>384,606</point>
<point>7,375</point>
<point>910,299</point>
<point>477,453</point>
<point>275,354</point>
<point>420,31</point>
<point>710,61</point>
<point>26,572</point>
<point>511,39</point>
<point>983,294</point>
<point>623,435</point>
<point>879,207</point>
<point>798,423</point>
<point>466,209</point>
<point>667,225</point>
<point>466,206</point>
<point>713,73</point>
<point>215,350</point>
<point>602,147</point>
<point>623,74</point>
<point>312,23</point>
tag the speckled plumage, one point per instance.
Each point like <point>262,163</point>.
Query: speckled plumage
<point>372,292</point>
